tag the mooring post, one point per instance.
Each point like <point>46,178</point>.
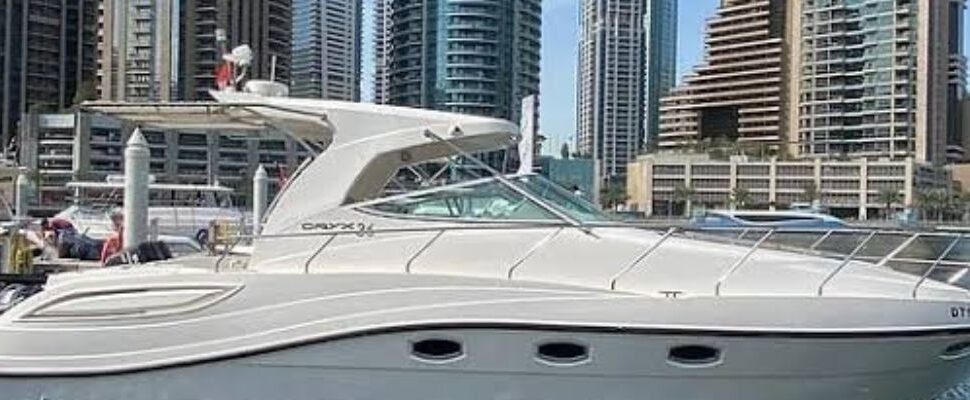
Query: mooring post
<point>260,191</point>
<point>136,190</point>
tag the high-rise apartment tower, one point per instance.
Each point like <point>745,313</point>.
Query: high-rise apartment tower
<point>326,49</point>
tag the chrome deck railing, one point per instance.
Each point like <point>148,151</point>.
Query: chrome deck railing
<point>941,256</point>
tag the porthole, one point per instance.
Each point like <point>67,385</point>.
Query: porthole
<point>956,351</point>
<point>694,356</point>
<point>562,352</point>
<point>437,350</point>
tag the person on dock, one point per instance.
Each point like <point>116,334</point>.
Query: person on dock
<point>113,243</point>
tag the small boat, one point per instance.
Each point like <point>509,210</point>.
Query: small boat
<point>766,220</point>
<point>176,209</point>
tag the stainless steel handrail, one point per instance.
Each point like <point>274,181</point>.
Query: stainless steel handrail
<point>712,235</point>
<point>845,262</point>
<point>226,251</point>
<point>407,266</point>
<point>636,261</point>
<point>820,240</point>
<point>740,262</point>
<point>899,249</point>
<point>306,265</point>
<point>532,250</point>
<point>943,255</point>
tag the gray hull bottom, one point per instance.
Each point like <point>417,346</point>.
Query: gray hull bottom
<point>499,365</point>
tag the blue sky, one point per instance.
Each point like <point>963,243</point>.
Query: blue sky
<point>560,23</point>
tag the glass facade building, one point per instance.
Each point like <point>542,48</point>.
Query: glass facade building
<point>326,49</point>
<point>661,75</point>
<point>47,55</point>
<point>627,62</point>
<point>470,56</point>
<point>880,78</point>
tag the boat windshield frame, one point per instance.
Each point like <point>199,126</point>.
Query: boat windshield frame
<point>549,195</point>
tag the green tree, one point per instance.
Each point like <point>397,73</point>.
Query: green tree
<point>564,151</point>
<point>888,197</point>
<point>740,197</point>
<point>613,195</point>
<point>684,194</point>
<point>963,201</point>
<point>933,203</point>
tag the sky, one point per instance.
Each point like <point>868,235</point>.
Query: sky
<point>560,37</point>
<point>560,25</point>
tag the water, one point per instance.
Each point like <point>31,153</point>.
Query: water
<point>961,392</point>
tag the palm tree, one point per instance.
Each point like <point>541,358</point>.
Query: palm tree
<point>888,197</point>
<point>684,194</point>
<point>924,203</point>
<point>933,203</point>
<point>740,197</point>
<point>613,195</point>
<point>963,199</point>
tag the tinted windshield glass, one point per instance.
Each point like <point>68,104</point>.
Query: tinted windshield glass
<point>487,199</point>
<point>571,204</point>
<point>490,199</point>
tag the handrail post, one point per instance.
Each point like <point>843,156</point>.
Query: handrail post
<point>899,249</point>
<point>946,252</point>
<point>306,266</point>
<point>407,266</point>
<point>744,232</point>
<point>642,256</point>
<point>846,261</point>
<point>741,261</point>
<point>821,240</point>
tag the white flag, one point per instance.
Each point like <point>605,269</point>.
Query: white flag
<point>527,128</point>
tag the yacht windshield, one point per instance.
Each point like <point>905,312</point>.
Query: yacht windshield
<point>569,203</point>
<point>490,199</point>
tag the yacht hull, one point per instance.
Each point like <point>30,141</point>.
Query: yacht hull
<point>503,364</point>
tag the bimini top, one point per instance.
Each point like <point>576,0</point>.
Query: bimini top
<point>364,143</point>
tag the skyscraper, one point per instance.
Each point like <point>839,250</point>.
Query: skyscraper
<point>138,50</point>
<point>47,57</point>
<point>880,78</point>
<point>736,94</point>
<point>661,62</point>
<point>326,49</point>
<point>382,49</point>
<point>264,25</point>
<point>627,56</point>
<point>470,56</point>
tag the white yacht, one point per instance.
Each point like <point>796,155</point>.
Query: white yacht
<point>176,209</point>
<point>502,287</point>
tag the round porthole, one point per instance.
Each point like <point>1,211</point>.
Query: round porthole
<point>956,351</point>
<point>562,353</point>
<point>437,350</point>
<point>694,356</point>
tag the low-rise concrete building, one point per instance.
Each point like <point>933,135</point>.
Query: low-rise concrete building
<point>60,148</point>
<point>850,189</point>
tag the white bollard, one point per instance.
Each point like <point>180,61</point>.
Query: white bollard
<point>260,191</point>
<point>136,190</point>
<point>22,187</point>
